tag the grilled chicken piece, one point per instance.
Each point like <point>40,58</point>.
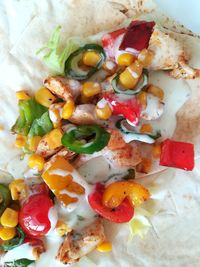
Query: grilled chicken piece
<point>63,87</point>
<point>169,54</point>
<point>79,244</point>
<point>44,150</point>
<point>84,114</point>
<point>117,153</point>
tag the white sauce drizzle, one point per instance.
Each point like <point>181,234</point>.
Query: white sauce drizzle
<point>53,218</point>
<point>52,116</point>
<point>154,108</point>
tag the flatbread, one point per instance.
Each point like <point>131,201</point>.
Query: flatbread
<point>175,233</point>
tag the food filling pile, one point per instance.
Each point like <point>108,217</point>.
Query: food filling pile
<point>102,105</point>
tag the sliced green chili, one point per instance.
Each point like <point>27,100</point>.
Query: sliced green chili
<point>72,69</point>
<point>86,139</point>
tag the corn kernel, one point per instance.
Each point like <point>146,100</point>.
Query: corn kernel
<point>36,161</point>
<point>156,150</point>
<point>33,143</point>
<point>9,218</point>
<point>18,189</point>
<point>20,141</point>
<point>91,89</point>
<point>145,166</point>
<point>68,109</point>
<point>91,58</point>
<point>55,113</point>
<point>131,75</point>
<point>7,233</point>
<point>44,97</point>
<point>62,228</point>
<point>53,138</point>
<point>22,95</point>
<point>125,59</point>
<point>145,57</point>
<point>156,91</point>
<point>104,247</point>
<point>142,98</point>
<point>103,113</point>
<point>146,128</point>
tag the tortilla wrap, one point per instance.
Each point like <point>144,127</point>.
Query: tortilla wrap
<point>174,235</point>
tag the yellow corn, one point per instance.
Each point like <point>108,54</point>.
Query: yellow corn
<point>104,113</point>
<point>146,128</point>
<point>22,95</point>
<point>7,233</point>
<point>44,97</point>
<point>125,59</point>
<point>130,76</point>
<point>62,228</point>
<point>91,89</point>
<point>53,138</point>
<point>104,247</point>
<point>144,166</point>
<point>20,141</point>
<point>156,151</point>
<point>68,109</point>
<point>33,143</point>
<point>9,218</point>
<point>36,161</point>
<point>18,189</point>
<point>145,57</point>
<point>156,91</point>
<point>91,58</point>
<point>55,110</point>
<point>142,98</point>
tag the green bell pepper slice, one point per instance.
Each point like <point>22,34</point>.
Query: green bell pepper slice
<point>19,263</point>
<point>14,242</point>
<point>86,139</point>
<point>5,198</point>
<point>72,69</point>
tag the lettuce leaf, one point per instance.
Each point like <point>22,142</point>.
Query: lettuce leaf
<point>140,224</point>
<point>33,119</point>
<point>56,56</point>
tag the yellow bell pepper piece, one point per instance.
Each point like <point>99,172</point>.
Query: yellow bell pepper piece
<point>59,179</point>
<point>9,218</point>
<point>18,189</point>
<point>104,247</point>
<point>7,233</point>
<point>116,192</point>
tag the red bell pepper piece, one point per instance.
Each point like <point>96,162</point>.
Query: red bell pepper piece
<point>130,109</point>
<point>177,154</point>
<point>121,214</point>
<point>109,41</point>
<point>138,35</point>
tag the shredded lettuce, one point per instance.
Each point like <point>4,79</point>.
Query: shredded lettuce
<point>140,224</point>
<point>56,56</point>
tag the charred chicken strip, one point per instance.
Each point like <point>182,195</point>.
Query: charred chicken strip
<point>79,244</point>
